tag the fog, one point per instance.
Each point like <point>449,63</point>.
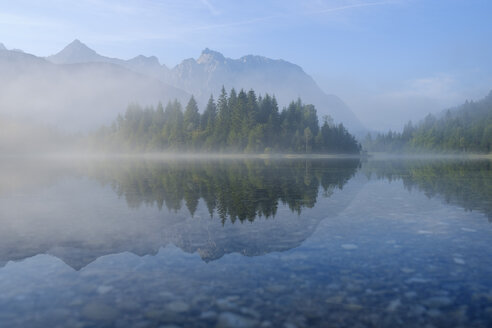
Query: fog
<point>73,97</point>
<point>49,104</point>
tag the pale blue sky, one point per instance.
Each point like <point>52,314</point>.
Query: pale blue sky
<point>388,60</point>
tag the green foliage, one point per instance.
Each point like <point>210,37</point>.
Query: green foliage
<point>239,122</point>
<point>467,128</point>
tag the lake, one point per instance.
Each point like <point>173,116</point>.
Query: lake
<point>127,242</point>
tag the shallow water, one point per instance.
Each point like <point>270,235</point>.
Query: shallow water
<point>246,243</point>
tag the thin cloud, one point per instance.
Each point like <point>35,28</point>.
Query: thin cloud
<point>22,20</point>
<point>441,87</point>
<point>348,7</point>
<point>177,32</point>
<point>210,7</point>
<point>117,7</point>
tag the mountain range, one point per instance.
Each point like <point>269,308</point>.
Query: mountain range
<point>79,88</point>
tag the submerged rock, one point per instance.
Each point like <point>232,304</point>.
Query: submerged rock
<point>208,315</point>
<point>458,260</point>
<point>99,312</point>
<point>177,306</point>
<point>229,319</point>
<point>438,301</point>
<point>393,305</point>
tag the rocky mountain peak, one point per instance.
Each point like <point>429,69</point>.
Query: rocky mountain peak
<point>141,59</point>
<point>210,56</point>
<point>78,47</point>
<point>75,52</point>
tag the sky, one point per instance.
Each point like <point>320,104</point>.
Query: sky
<point>389,61</point>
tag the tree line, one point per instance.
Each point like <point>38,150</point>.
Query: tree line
<point>467,128</point>
<point>236,122</point>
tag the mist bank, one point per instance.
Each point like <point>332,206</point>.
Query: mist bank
<point>73,97</point>
<point>464,129</point>
<point>239,122</point>
<point>20,137</point>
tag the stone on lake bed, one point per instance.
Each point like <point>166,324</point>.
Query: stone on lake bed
<point>208,315</point>
<point>410,294</point>
<point>407,270</point>
<point>225,304</point>
<point>99,312</point>
<point>417,280</point>
<point>438,301</point>
<point>276,288</point>
<point>104,289</point>
<point>433,313</point>
<point>229,319</point>
<point>177,306</point>
<point>458,260</point>
<point>417,310</point>
<point>393,305</point>
<point>349,246</point>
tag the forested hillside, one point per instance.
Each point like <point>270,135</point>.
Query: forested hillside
<point>467,128</point>
<point>237,122</point>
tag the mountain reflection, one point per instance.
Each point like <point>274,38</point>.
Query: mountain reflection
<point>75,218</point>
<point>466,183</point>
<point>61,208</point>
<point>235,189</point>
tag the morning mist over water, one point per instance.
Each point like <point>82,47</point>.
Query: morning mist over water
<point>216,164</point>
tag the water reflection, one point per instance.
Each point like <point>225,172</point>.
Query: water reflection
<point>238,190</point>
<point>78,220</point>
<point>466,183</point>
<point>246,243</point>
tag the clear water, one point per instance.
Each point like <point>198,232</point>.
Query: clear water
<point>245,243</point>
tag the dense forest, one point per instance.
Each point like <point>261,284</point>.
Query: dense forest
<point>237,122</point>
<point>467,128</point>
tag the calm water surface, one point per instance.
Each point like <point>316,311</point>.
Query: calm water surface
<point>245,243</point>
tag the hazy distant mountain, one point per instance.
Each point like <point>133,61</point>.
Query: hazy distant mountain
<point>78,88</point>
<point>2,47</point>
<point>285,80</point>
<point>75,96</point>
<point>77,53</point>
<point>212,70</point>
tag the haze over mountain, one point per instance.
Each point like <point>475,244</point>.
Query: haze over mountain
<point>74,96</point>
<point>211,71</point>
<point>285,80</point>
<point>77,52</point>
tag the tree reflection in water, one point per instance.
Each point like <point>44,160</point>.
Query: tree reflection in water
<point>466,183</point>
<point>235,189</point>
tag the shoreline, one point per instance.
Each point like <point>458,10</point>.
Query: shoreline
<point>231,156</point>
